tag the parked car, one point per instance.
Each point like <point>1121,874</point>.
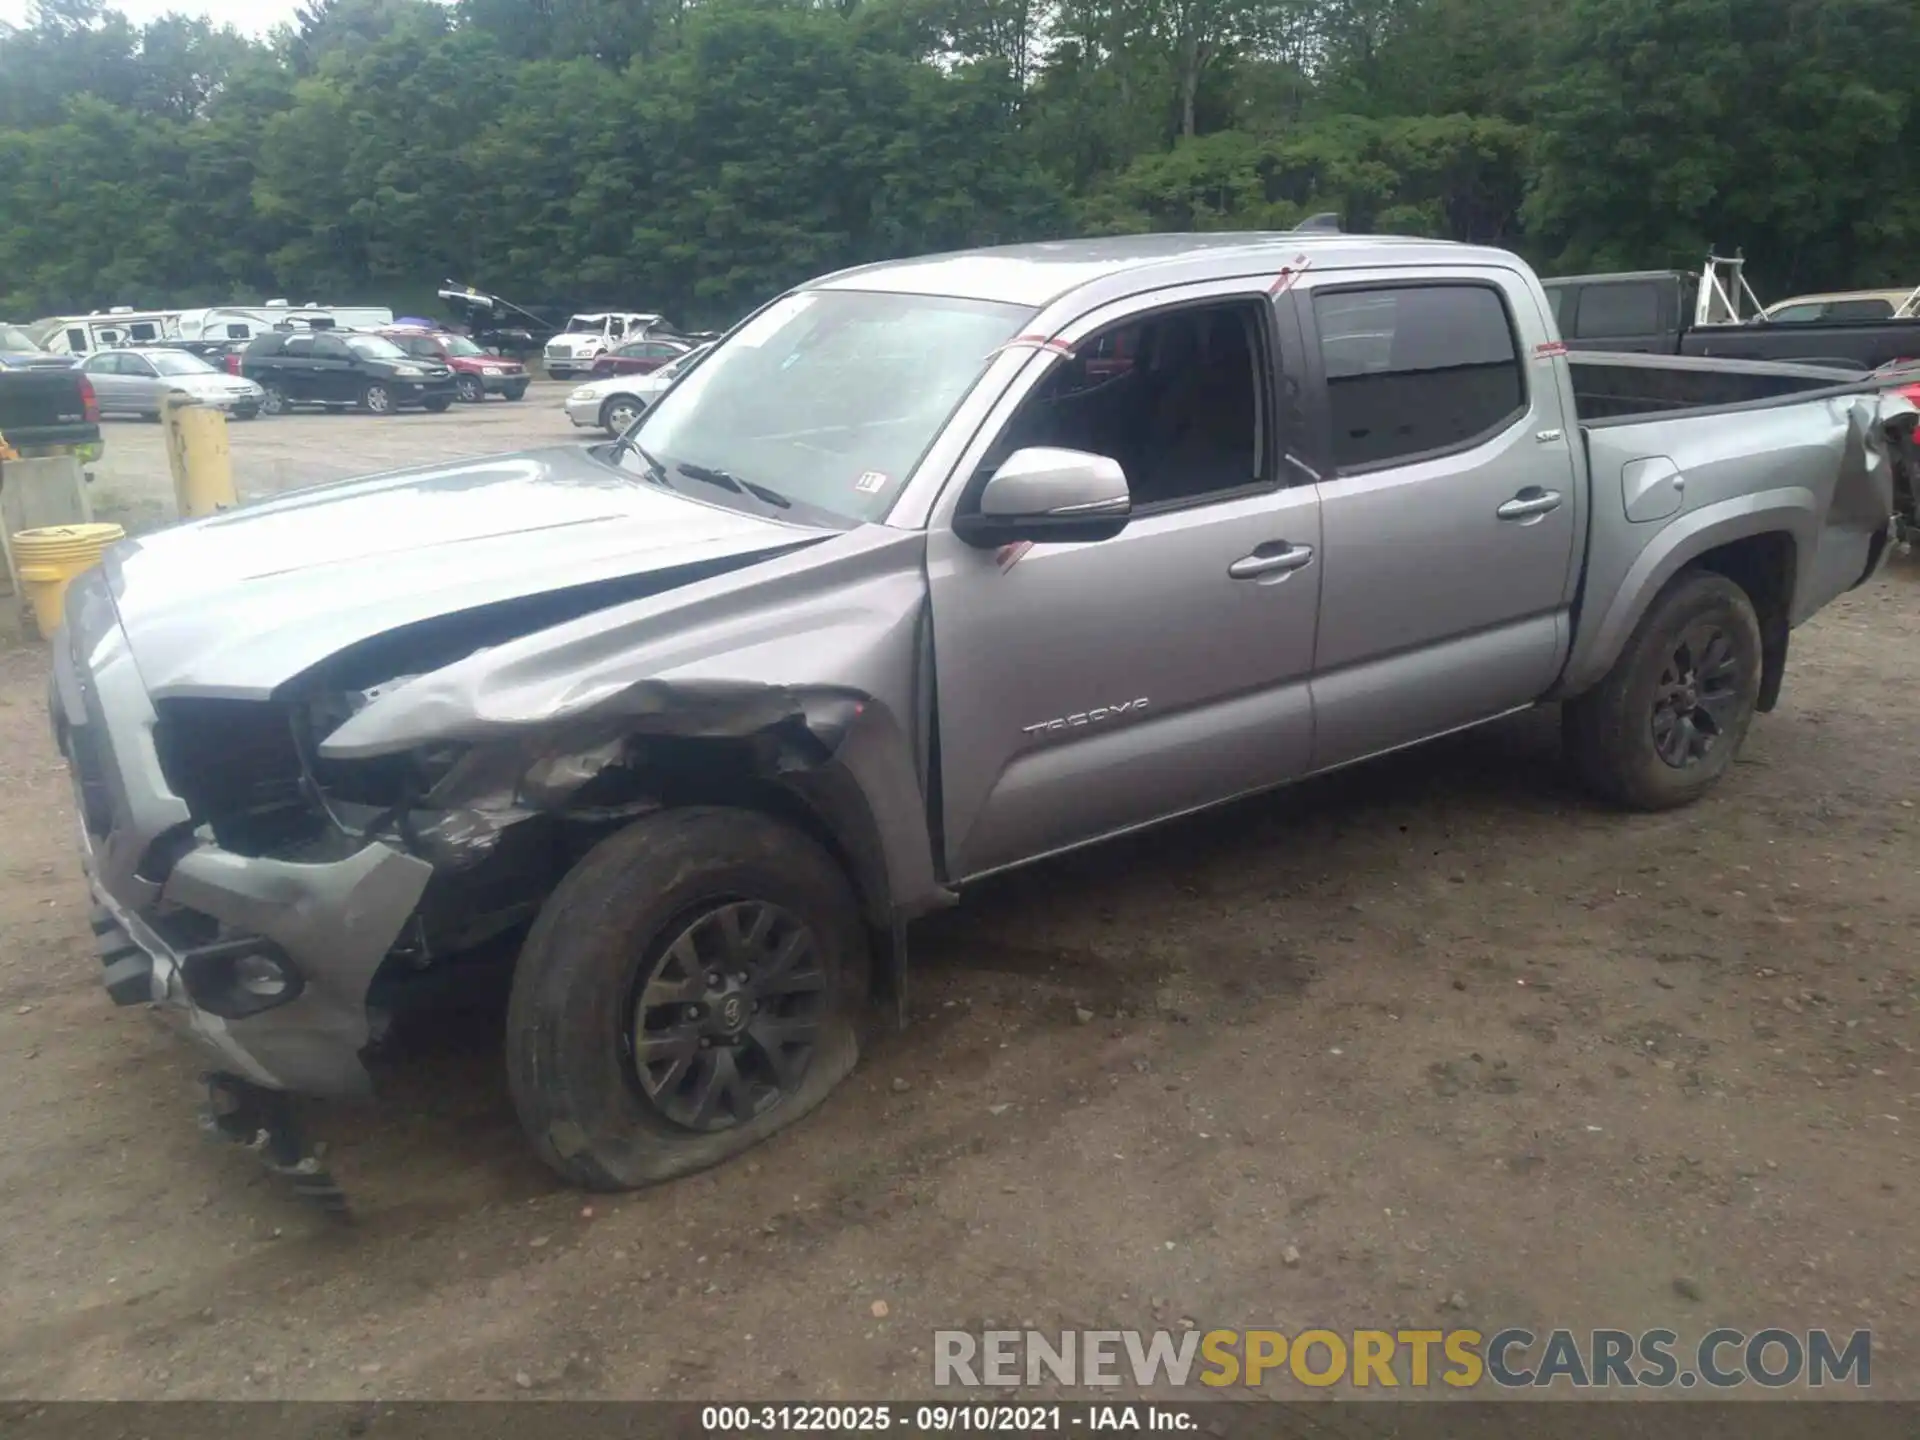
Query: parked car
<point>138,382</point>
<point>331,368</point>
<point>890,594</point>
<point>612,403</point>
<point>640,357</point>
<point>18,352</point>
<point>221,354</point>
<point>477,373</point>
<point>1670,312</point>
<point>47,406</point>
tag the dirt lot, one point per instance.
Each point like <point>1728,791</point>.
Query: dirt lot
<point>133,487</point>
<point>1431,1042</point>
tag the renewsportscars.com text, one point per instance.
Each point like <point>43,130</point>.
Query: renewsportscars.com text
<point>1513,1358</point>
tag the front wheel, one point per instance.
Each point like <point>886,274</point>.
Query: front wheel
<point>619,413</point>
<point>515,392</point>
<point>691,987</point>
<point>1665,724</point>
<point>471,389</point>
<point>439,405</point>
<point>377,399</point>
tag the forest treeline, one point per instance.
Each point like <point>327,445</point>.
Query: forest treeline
<point>696,156</point>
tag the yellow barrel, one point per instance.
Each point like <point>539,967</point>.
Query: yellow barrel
<point>47,561</point>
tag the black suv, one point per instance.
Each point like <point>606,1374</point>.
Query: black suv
<point>301,367</point>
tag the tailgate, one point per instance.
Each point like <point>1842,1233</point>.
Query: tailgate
<point>44,407</point>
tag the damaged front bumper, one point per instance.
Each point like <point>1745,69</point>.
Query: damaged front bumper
<point>267,962</point>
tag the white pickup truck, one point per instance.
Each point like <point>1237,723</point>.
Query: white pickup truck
<point>928,570</point>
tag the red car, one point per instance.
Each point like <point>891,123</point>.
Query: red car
<point>640,357</point>
<point>477,373</point>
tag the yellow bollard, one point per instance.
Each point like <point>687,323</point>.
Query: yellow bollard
<point>50,558</point>
<point>197,451</point>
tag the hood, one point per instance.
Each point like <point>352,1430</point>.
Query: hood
<point>237,604</point>
<point>480,364</point>
<point>601,386</point>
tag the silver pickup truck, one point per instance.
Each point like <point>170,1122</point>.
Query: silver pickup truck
<point>929,569</point>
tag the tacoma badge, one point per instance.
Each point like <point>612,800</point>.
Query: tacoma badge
<point>1086,717</point>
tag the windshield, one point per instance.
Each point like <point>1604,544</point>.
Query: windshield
<point>375,347</point>
<point>829,397</point>
<point>460,345</point>
<point>179,362</point>
<point>590,324</point>
<point>13,338</point>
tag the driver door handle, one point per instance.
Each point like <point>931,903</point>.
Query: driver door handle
<point>1275,558</point>
<point>1530,502</point>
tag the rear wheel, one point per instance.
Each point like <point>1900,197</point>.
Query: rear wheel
<point>619,413</point>
<point>690,988</point>
<point>471,389</point>
<point>1667,721</point>
<point>377,399</point>
<point>273,400</point>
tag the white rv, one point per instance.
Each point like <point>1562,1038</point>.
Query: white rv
<point>243,322</point>
<point>123,325</point>
<point>105,330</point>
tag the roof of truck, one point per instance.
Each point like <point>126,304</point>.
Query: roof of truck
<point>1614,276</point>
<point>1035,274</point>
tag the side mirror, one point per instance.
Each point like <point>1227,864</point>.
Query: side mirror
<point>1046,495</point>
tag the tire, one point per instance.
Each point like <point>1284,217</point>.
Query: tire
<point>439,405</point>
<point>613,932</point>
<point>619,412</point>
<point>377,399</point>
<point>1685,684</point>
<point>246,414</point>
<point>273,400</point>
<point>470,389</point>
<point>515,392</point>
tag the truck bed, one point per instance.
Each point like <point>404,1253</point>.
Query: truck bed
<point>1609,387</point>
<point>1867,344</point>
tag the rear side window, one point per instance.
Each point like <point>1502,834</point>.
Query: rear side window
<point>1859,310</point>
<point>1416,370</point>
<point>1609,312</point>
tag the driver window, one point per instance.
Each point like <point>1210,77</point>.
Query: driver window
<point>1178,397</point>
<point>325,347</point>
<point>136,365</point>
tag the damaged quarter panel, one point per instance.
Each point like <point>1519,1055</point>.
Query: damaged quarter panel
<point>801,673</point>
<point>1817,471</point>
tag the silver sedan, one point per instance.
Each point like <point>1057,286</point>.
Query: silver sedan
<point>138,382</point>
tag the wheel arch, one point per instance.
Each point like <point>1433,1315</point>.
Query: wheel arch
<point>1756,541</point>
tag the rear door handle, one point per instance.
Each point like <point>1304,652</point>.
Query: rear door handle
<point>1276,558</point>
<point>1530,504</point>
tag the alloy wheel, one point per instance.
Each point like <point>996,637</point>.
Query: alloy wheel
<point>728,1015</point>
<point>1697,699</point>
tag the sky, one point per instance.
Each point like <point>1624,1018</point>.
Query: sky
<point>255,17</point>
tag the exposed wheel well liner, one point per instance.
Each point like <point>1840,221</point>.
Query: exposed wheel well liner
<point>1764,566</point>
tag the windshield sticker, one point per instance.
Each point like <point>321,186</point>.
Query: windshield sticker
<point>872,482</point>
